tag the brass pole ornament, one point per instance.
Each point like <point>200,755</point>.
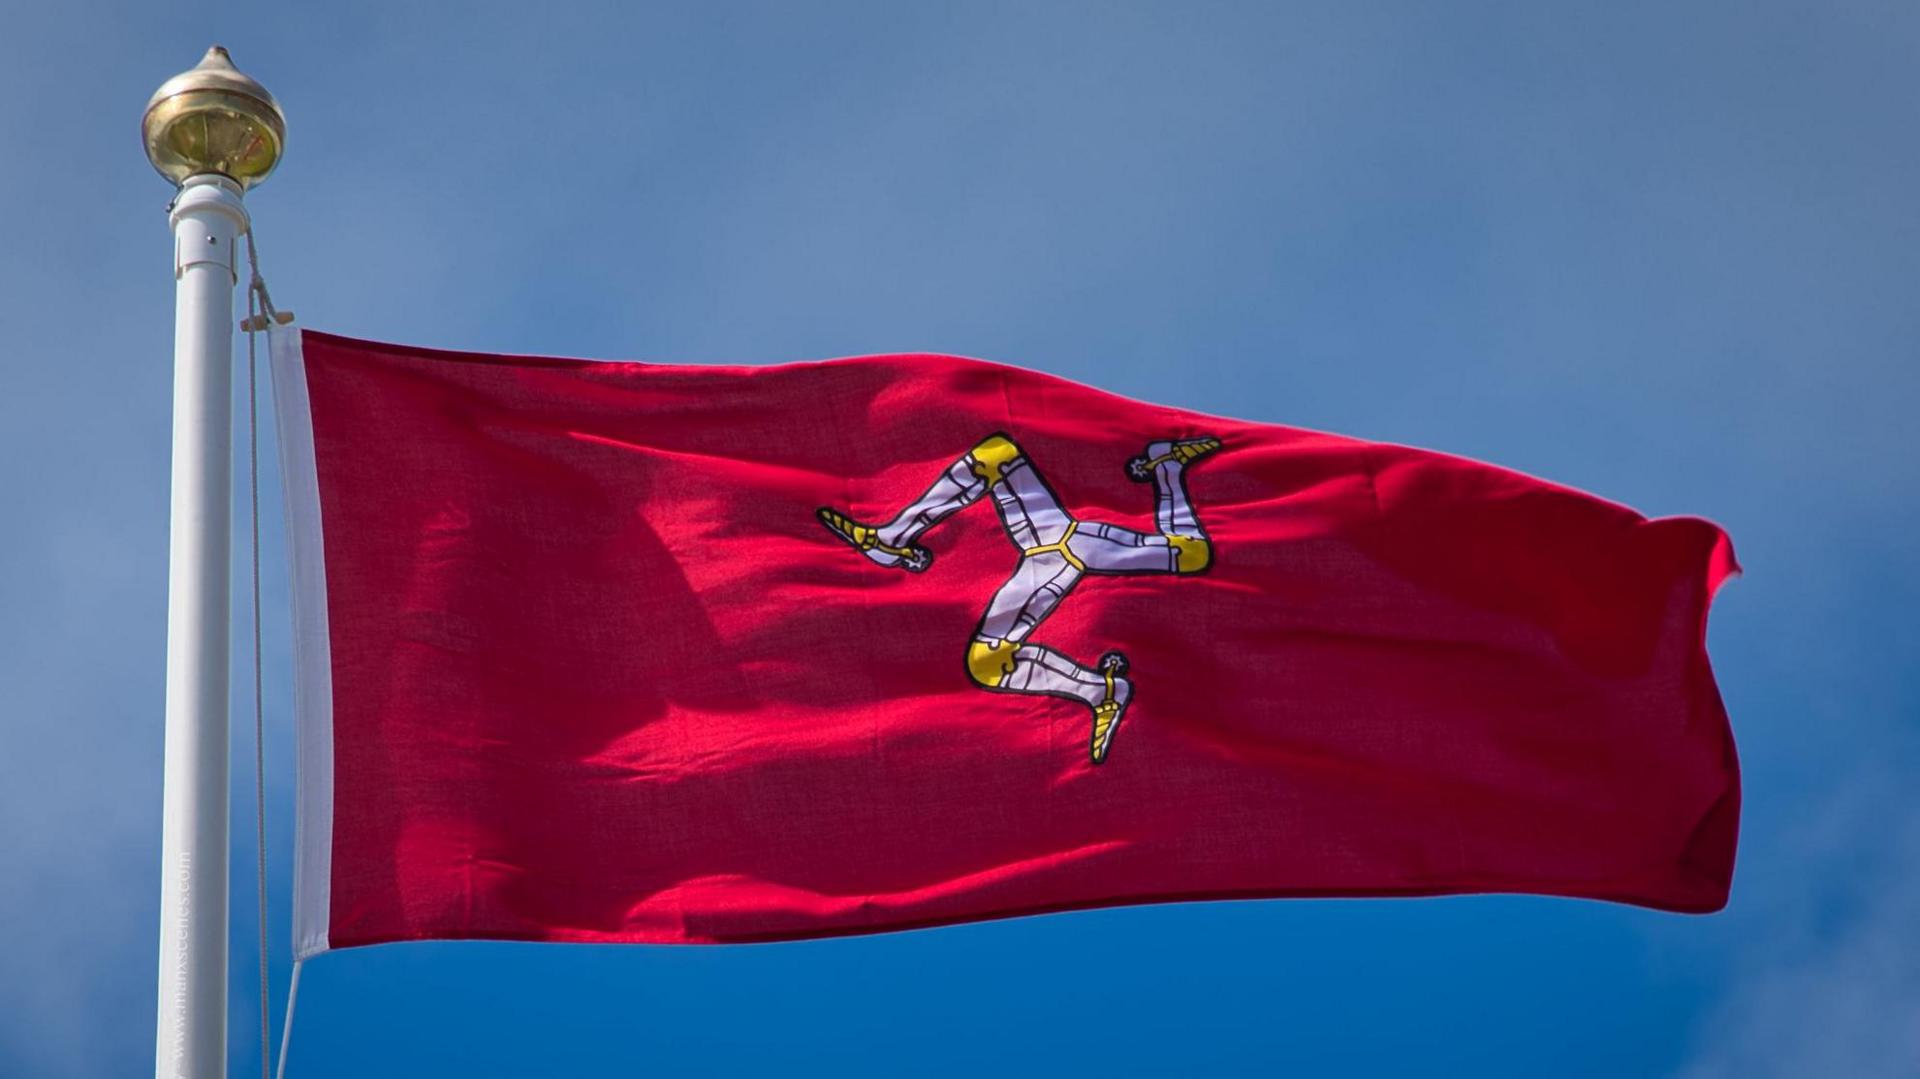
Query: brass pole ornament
<point>213,119</point>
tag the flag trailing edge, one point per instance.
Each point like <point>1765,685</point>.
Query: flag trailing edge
<point>630,652</point>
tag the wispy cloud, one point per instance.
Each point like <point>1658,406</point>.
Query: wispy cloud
<point>1839,991</point>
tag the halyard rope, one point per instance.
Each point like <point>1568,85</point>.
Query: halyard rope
<point>286,1025</point>
<point>256,300</point>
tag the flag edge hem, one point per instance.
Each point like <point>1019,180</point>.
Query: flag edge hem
<point>313,667</point>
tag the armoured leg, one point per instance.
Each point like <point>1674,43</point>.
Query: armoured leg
<point>1105,548</point>
<point>999,657</point>
<point>1165,464</point>
<point>1030,668</point>
<point>896,543</point>
<point>956,489</point>
<point>1032,515</point>
<point>1018,607</point>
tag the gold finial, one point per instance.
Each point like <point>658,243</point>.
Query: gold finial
<point>214,119</point>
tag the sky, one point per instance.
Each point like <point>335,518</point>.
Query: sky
<point>1664,252</point>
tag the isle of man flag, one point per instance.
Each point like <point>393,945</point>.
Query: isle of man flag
<point>636,652</point>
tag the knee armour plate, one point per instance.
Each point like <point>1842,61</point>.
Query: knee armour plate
<point>990,662</point>
<point>991,457</point>
<point>1191,553</point>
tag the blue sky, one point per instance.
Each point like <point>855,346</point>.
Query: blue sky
<point>1668,253</point>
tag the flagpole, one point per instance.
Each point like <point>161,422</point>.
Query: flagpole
<point>214,132</point>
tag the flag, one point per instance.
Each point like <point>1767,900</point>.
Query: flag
<point>639,652</point>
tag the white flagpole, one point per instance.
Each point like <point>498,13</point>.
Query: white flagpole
<point>214,132</point>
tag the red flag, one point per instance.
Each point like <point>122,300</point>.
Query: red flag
<point>632,652</point>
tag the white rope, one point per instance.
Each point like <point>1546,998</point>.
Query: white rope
<point>256,298</point>
<point>286,1024</point>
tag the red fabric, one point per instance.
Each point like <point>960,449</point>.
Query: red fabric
<point>600,675</point>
